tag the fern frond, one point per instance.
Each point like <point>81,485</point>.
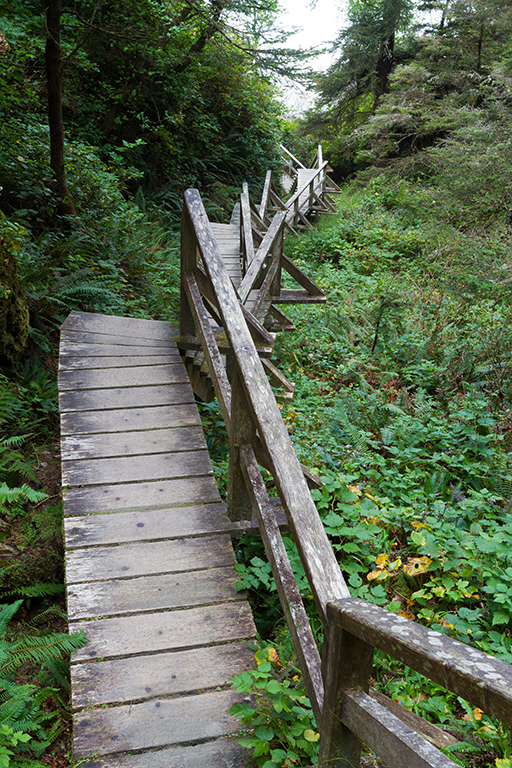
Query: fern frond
<point>11,495</point>
<point>6,614</point>
<point>41,649</point>
<point>40,590</point>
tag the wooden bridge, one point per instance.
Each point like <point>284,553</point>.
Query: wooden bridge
<point>150,574</point>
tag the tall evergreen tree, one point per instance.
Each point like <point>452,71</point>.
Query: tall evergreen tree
<point>360,76</point>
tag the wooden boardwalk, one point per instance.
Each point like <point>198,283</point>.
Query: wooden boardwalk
<point>149,567</point>
<point>227,237</point>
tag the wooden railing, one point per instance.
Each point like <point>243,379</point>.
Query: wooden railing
<point>347,712</point>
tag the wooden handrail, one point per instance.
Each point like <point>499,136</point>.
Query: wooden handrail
<point>247,243</point>
<point>272,237</point>
<point>291,202</point>
<point>256,427</point>
<point>292,157</point>
<point>351,716</point>
<point>265,196</point>
<point>347,712</point>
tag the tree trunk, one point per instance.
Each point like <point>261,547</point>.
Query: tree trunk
<point>479,48</point>
<point>54,80</point>
<point>383,68</point>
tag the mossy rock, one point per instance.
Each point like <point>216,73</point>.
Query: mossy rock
<point>14,315</point>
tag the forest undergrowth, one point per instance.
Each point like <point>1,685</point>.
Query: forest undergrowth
<point>403,406</point>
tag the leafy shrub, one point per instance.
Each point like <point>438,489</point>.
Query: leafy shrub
<point>283,729</point>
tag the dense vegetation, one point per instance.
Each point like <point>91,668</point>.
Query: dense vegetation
<point>404,394</point>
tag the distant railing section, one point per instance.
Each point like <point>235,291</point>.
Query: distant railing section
<point>236,350</point>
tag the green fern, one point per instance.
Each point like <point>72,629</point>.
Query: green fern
<point>22,707</point>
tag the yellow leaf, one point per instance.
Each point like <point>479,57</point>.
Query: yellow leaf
<point>478,713</point>
<point>395,565</point>
<point>354,489</point>
<point>447,624</point>
<point>21,159</point>
<point>407,615</point>
<point>268,654</point>
<point>382,560</point>
<point>416,524</point>
<point>310,735</point>
<point>505,763</point>
<point>377,575</point>
<point>417,565</point>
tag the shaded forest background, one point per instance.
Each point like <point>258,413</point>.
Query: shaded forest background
<point>415,118</point>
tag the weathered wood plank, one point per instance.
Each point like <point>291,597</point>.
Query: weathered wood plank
<point>152,593</point>
<point>138,376</point>
<point>126,469</point>
<point>392,740</point>
<point>221,753</point>
<point>137,443</point>
<point>142,525</point>
<point>78,363</point>
<point>289,595</point>
<point>155,723</point>
<point>160,493</point>
<point>131,397</point>
<point>132,326</point>
<point>262,254</point>
<point>216,365</point>
<point>130,635</point>
<point>146,558</point>
<point>432,733</point>
<point>70,338</point>
<point>298,296</point>
<point>162,674</point>
<point>73,350</point>
<point>155,524</point>
<point>119,420</point>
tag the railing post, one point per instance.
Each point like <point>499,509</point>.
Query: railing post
<point>347,665</point>
<point>241,432</point>
<point>277,253</point>
<point>188,255</point>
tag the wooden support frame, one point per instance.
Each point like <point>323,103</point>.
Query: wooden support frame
<point>305,525</point>
<point>350,714</point>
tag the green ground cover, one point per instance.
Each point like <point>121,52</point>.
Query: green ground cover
<point>403,406</point>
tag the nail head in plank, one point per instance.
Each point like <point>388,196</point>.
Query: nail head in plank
<point>125,469</point>
<point>120,420</point>
<point>152,593</point>
<point>145,558</point>
<point>161,674</point>
<point>155,723</point>
<point>131,397</point>
<point>131,635</point>
<point>160,493</point>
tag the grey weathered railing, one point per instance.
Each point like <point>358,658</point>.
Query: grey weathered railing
<point>257,434</point>
<point>351,716</point>
<point>347,712</point>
